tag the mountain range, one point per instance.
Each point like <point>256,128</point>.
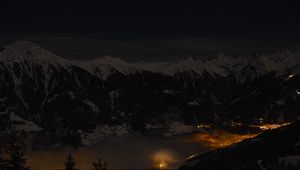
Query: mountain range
<point>64,97</point>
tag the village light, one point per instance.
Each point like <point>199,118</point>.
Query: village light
<point>162,165</point>
<point>163,160</point>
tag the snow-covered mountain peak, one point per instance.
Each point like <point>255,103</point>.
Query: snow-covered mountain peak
<point>26,50</point>
<point>250,64</point>
<point>115,60</point>
<point>107,65</point>
<point>196,65</point>
<point>21,45</point>
<point>284,61</point>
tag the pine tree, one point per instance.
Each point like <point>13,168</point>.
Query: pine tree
<point>99,165</point>
<point>2,164</point>
<point>289,166</point>
<point>70,163</point>
<point>15,151</point>
<point>281,165</point>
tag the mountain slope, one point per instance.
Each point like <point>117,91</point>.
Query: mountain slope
<point>276,149</point>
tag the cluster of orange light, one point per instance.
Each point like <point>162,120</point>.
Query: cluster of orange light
<point>203,126</point>
<point>219,138</point>
<point>270,126</point>
<point>236,124</point>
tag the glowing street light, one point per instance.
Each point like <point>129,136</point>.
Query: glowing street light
<point>162,165</point>
<point>163,160</point>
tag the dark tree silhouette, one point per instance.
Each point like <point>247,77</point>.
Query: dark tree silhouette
<point>281,165</point>
<point>15,151</point>
<point>2,164</point>
<point>289,166</point>
<point>298,164</point>
<point>70,163</point>
<point>99,165</point>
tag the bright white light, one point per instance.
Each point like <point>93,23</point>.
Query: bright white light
<point>298,92</point>
<point>192,156</point>
<point>292,75</point>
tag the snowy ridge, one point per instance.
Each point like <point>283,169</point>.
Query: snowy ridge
<point>285,62</point>
<point>26,50</point>
<point>199,66</point>
<point>103,67</point>
<point>23,125</point>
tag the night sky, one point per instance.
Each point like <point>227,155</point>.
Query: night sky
<point>213,26</point>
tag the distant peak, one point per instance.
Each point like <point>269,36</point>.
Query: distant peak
<point>22,46</point>
<point>27,50</point>
<point>115,59</point>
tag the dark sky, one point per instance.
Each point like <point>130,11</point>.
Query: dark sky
<point>214,19</point>
<point>271,21</point>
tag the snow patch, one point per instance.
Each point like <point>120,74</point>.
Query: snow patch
<point>177,128</point>
<point>291,159</point>
<point>92,105</point>
<point>103,130</point>
<point>193,103</point>
<point>23,125</point>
